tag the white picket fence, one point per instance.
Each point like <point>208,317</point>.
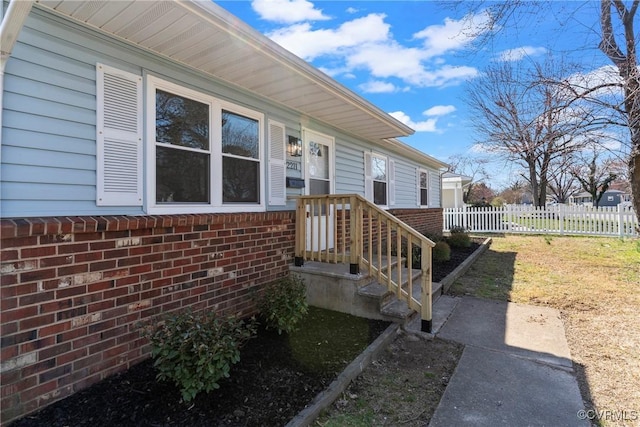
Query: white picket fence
<point>554,219</point>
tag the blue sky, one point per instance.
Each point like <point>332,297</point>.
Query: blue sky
<point>413,59</point>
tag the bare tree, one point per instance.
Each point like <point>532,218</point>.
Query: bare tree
<point>562,183</point>
<point>594,176</point>
<point>474,167</point>
<point>521,117</point>
<point>618,43</point>
<point>514,193</point>
<point>627,64</point>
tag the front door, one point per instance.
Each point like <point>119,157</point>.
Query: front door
<point>319,177</point>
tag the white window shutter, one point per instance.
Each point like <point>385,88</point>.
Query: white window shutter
<point>277,164</point>
<point>119,137</point>
<point>368,179</point>
<point>418,188</point>
<point>392,182</point>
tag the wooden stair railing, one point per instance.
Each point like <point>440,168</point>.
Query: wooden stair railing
<point>347,228</point>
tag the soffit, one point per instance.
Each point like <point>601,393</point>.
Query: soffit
<point>204,36</point>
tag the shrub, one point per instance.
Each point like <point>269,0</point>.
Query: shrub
<point>441,252</point>
<point>459,240</point>
<point>284,304</point>
<point>434,237</point>
<point>457,229</point>
<point>196,350</point>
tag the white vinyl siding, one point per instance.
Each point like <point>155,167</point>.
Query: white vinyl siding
<point>391,193</point>
<point>368,180</point>
<point>434,189</point>
<point>119,137</point>
<point>277,164</point>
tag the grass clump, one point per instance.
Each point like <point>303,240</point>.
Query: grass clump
<point>195,351</point>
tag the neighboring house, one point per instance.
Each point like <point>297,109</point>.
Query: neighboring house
<point>453,187</point>
<point>609,198</point>
<point>151,156</point>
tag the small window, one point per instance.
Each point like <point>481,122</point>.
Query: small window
<point>610,198</point>
<point>424,188</point>
<point>379,176</point>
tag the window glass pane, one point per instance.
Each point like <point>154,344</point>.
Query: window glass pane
<point>379,193</point>
<point>181,176</point>
<point>318,161</point>
<point>423,180</point>
<point>181,121</point>
<point>423,197</point>
<point>240,180</point>
<point>239,135</point>
<point>379,168</point>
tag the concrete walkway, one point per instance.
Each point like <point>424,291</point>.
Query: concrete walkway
<point>515,369</point>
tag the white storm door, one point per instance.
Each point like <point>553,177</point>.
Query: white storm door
<point>319,176</point>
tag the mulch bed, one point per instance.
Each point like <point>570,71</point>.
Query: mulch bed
<point>268,387</point>
<point>440,270</point>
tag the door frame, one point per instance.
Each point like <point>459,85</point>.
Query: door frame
<point>308,136</point>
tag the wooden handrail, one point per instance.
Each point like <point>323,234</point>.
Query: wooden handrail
<point>324,233</point>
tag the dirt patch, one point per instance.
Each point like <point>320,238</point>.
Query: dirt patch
<point>401,388</point>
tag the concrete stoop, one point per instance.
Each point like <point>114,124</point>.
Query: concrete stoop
<point>331,286</point>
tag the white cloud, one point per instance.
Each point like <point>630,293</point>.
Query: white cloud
<point>352,10</point>
<point>453,34</point>
<point>287,11</point>
<point>439,110</point>
<point>378,86</point>
<point>600,76</point>
<point>518,53</point>
<point>406,64</point>
<point>366,44</point>
<point>428,125</point>
<point>307,43</point>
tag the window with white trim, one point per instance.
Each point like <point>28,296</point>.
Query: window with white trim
<point>423,187</point>
<point>379,179</point>
<point>202,154</point>
<point>205,153</point>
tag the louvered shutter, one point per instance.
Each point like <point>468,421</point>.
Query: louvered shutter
<point>119,137</point>
<point>277,164</point>
<point>418,188</point>
<point>392,182</point>
<point>368,179</point>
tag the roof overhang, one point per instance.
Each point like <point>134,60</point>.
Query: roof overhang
<point>412,153</point>
<point>205,37</point>
<point>450,177</point>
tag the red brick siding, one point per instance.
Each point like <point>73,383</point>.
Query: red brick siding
<point>425,221</point>
<point>74,289</point>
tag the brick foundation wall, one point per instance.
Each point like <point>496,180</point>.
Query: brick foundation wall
<point>429,220</point>
<point>74,289</point>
